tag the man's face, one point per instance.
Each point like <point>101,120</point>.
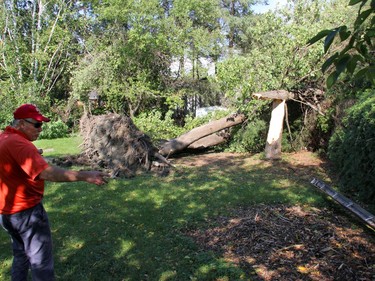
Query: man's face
<point>31,128</point>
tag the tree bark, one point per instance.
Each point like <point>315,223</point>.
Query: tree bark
<point>13,37</point>
<point>277,95</point>
<point>183,141</point>
<point>208,141</point>
<point>273,145</point>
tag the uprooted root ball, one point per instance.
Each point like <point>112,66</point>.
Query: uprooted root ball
<point>113,142</point>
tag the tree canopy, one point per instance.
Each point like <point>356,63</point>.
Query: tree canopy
<point>141,56</point>
<point>357,54</point>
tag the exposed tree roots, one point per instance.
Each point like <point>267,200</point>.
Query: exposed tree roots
<point>113,142</point>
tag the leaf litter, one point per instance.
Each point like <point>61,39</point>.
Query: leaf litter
<point>283,242</point>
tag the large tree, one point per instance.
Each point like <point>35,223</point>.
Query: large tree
<point>236,14</point>
<point>135,46</point>
<point>273,55</point>
<point>352,43</point>
<point>38,44</point>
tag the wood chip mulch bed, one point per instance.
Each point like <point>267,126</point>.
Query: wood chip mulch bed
<point>290,243</point>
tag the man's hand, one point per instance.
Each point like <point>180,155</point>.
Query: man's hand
<point>95,177</point>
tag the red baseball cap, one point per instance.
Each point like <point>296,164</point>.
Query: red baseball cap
<point>29,111</point>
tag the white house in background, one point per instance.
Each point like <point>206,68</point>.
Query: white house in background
<point>207,68</point>
<point>206,63</point>
<point>203,111</point>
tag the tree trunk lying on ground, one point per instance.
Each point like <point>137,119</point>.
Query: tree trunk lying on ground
<point>112,142</point>
<point>196,137</point>
<point>211,140</point>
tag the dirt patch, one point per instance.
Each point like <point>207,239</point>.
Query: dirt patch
<point>301,158</point>
<point>286,242</point>
<point>290,243</point>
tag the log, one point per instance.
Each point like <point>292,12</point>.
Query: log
<point>162,159</point>
<point>275,95</point>
<point>206,142</point>
<point>183,141</point>
<point>274,137</point>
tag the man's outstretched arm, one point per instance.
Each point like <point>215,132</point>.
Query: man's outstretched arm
<point>56,174</point>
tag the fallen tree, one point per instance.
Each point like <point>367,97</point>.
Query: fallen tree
<point>213,133</point>
<point>201,136</point>
<point>113,142</point>
<point>211,140</point>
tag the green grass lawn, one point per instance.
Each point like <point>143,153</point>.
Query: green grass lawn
<point>60,147</point>
<point>133,229</point>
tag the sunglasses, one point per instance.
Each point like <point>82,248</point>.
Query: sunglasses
<point>36,125</point>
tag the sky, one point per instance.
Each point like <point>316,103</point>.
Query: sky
<point>272,5</point>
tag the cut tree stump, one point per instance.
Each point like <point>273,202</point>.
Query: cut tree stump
<point>274,137</point>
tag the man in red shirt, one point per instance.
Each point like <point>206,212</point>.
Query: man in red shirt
<point>22,174</point>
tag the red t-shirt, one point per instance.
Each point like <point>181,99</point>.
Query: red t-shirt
<point>20,165</point>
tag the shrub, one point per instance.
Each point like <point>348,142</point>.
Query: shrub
<point>54,130</point>
<point>158,128</point>
<point>352,149</point>
<point>250,138</point>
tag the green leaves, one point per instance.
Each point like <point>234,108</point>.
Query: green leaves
<point>356,51</point>
<point>332,78</point>
<point>368,72</point>
<point>329,62</point>
<point>363,16</point>
<point>319,36</point>
<point>357,140</point>
<point>38,46</point>
<point>341,64</point>
<point>329,38</point>
<point>353,2</point>
<point>330,35</point>
<point>352,63</point>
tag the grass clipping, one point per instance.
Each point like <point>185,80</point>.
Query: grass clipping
<point>113,142</point>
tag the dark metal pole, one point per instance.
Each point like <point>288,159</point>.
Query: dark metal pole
<point>367,217</point>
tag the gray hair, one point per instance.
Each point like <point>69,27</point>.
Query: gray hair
<point>15,122</point>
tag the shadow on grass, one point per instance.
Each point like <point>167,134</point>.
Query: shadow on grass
<point>133,229</point>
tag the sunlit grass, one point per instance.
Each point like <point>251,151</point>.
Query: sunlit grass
<point>60,147</point>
